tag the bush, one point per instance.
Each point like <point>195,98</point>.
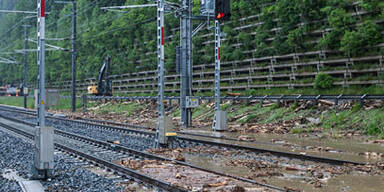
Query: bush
<point>351,42</point>
<point>323,81</point>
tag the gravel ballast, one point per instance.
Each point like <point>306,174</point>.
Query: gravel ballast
<point>16,154</point>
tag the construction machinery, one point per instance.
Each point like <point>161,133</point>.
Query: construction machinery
<point>10,90</point>
<point>104,85</point>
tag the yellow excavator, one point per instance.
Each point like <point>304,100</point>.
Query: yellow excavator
<point>104,85</point>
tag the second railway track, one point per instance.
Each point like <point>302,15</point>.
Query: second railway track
<point>136,140</point>
<point>104,153</point>
<point>182,141</point>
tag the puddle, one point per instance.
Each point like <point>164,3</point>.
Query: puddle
<point>347,149</point>
<point>347,183</point>
<point>283,172</point>
<point>188,178</point>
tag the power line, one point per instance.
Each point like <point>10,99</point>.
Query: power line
<point>120,28</point>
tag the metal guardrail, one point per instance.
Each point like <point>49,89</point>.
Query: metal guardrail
<point>278,98</point>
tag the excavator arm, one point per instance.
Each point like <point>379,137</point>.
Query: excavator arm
<point>103,83</point>
<point>104,86</point>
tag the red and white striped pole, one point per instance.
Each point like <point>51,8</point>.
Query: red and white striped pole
<point>43,163</point>
<point>160,131</point>
<point>41,61</point>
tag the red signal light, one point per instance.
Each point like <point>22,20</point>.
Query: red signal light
<point>220,15</point>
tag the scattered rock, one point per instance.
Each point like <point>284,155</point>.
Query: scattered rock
<point>314,121</point>
<point>238,189</point>
<point>318,184</point>
<point>216,184</point>
<point>178,176</point>
<point>291,189</point>
<point>245,138</point>
<point>379,141</point>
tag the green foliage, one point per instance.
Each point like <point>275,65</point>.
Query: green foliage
<point>351,42</point>
<point>323,81</point>
<point>372,5</point>
<point>17,101</point>
<point>296,38</point>
<point>246,38</point>
<point>284,26</point>
<point>367,34</point>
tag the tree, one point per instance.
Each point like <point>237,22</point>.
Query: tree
<point>323,81</point>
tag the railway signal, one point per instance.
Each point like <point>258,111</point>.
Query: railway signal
<point>222,10</point>
<point>43,162</point>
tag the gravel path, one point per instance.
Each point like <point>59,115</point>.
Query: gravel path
<point>70,174</point>
<point>129,140</point>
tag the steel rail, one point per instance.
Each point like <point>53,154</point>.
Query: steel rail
<point>273,152</point>
<point>225,145</point>
<point>144,178</point>
<point>106,127</point>
<point>101,126</point>
<point>118,168</point>
<point>225,138</point>
<point>113,123</point>
<point>119,148</point>
<point>156,157</point>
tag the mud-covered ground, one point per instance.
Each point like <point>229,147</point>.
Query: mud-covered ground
<point>303,127</point>
<point>189,178</point>
<point>341,131</point>
<point>268,169</point>
<point>307,118</point>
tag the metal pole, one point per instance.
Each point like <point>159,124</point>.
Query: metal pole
<point>41,62</point>
<point>25,64</point>
<point>43,162</point>
<point>74,15</point>
<point>220,119</point>
<point>186,62</point>
<point>160,68</point>
<point>217,65</point>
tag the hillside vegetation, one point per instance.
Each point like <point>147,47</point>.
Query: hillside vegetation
<point>282,27</point>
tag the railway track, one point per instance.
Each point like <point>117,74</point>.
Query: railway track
<point>76,143</point>
<point>70,147</point>
<point>185,141</point>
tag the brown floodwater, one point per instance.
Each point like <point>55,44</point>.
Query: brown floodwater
<point>352,182</point>
<point>352,149</point>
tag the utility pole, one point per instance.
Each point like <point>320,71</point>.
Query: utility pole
<point>186,63</point>
<point>74,54</point>
<point>222,13</point>
<point>43,162</point>
<point>25,86</point>
<point>74,51</point>
<point>220,118</point>
<point>163,125</point>
<point>160,67</point>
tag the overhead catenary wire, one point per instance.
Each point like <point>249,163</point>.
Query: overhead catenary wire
<point>86,8</point>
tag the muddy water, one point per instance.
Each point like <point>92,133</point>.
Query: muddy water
<point>353,182</point>
<point>216,164</point>
<point>348,183</point>
<point>353,149</point>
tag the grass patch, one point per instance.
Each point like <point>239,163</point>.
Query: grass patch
<point>258,112</point>
<point>276,115</point>
<point>66,104</point>
<point>370,122</point>
<point>197,112</point>
<point>119,108</point>
<point>298,130</point>
<point>17,101</point>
